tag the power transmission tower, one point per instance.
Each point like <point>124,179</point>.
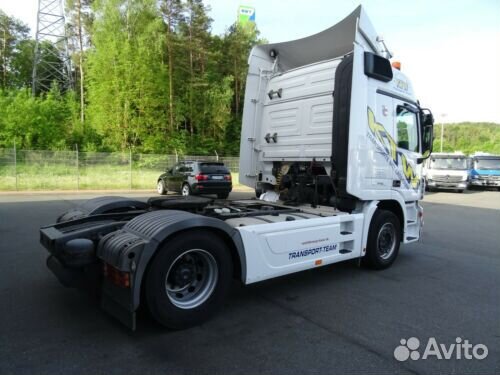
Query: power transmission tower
<point>51,62</point>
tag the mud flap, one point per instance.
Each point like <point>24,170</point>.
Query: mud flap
<point>117,302</point>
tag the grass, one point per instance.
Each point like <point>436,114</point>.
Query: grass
<point>66,177</point>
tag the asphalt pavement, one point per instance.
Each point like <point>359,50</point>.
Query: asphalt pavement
<point>338,319</point>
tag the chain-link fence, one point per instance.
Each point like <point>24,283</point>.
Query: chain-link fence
<point>73,170</point>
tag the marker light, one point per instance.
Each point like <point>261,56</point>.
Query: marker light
<point>396,65</point>
<point>117,277</point>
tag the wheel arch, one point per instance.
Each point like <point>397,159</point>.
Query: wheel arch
<point>222,234</point>
<point>191,223</point>
<point>396,208</point>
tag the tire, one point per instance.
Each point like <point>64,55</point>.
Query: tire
<point>460,191</point>
<point>160,188</point>
<point>186,190</point>
<point>222,195</point>
<point>381,255</point>
<point>177,258</point>
<point>258,189</point>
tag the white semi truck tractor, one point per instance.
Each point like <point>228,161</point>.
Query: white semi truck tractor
<point>333,140</point>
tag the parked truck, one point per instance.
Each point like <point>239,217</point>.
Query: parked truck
<point>333,139</point>
<point>485,170</point>
<point>449,171</point>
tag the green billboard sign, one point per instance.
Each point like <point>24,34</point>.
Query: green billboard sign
<point>246,15</point>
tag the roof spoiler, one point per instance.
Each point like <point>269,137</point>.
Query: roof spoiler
<point>331,43</point>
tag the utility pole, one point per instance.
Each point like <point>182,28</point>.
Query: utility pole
<point>51,62</point>
<point>443,115</point>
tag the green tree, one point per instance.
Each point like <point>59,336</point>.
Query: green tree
<point>41,122</point>
<point>150,76</point>
<point>126,74</point>
<point>12,35</point>
<point>173,14</point>
<point>79,14</point>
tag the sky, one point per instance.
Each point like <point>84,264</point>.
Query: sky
<point>449,49</point>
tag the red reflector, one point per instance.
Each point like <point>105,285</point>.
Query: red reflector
<point>116,276</point>
<point>201,177</point>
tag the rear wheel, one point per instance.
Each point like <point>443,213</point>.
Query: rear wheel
<point>384,239</point>
<point>162,190</point>
<point>188,279</point>
<point>186,190</point>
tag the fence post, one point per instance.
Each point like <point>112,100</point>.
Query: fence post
<point>77,169</point>
<point>216,155</point>
<point>15,163</point>
<point>130,163</point>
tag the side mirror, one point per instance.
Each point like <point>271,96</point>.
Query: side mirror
<point>427,119</point>
<point>427,141</point>
<point>427,126</point>
<point>170,171</point>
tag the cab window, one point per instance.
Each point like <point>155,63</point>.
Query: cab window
<point>407,129</point>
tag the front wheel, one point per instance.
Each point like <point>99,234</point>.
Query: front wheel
<point>188,279</point>
<point>384,238</point>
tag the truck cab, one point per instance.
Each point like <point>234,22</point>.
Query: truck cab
<point>328,117</point>
<point>448,171</point>
<point>485,170</point>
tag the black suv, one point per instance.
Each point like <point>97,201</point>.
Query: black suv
<point>197,177</point>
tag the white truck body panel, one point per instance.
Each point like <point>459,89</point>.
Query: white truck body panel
<point>302,116</point>
<point>277,249</point>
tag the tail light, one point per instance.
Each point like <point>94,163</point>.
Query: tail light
<point>201,177</point>
<point>116,276</point>
<point>227,177</point>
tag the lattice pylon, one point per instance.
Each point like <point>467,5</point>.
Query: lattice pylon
<point>51,62</point>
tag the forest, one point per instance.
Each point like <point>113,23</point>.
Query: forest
<point>147,76</point>
<point>468,137</point>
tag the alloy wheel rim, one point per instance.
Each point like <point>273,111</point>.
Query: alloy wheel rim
<point>191,279</point>
<point>386,241</point>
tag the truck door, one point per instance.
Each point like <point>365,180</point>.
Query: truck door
<point>406,132</point>
<point>380,171</point>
